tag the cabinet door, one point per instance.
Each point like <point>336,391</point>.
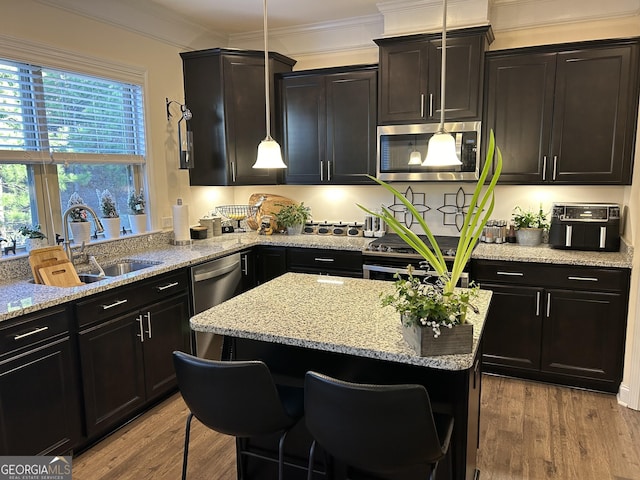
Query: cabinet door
<point>519,109</point>
<point>272,262</point>
<point>403,94</point>
<point>244,104</point>
<point>513,330</point>
<point>304,126</point>
<point>583,334</point>
<point>40,412</point>
<point>351,127</point>
<point>166,329</point>
<point>465,64</point>
<point>590,142</point>
<point>112,371</point>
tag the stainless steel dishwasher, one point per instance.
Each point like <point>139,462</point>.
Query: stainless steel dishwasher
<point>212,283</point>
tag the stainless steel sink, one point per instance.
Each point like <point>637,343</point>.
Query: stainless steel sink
<point>127,266</point>
<point>90,277</point>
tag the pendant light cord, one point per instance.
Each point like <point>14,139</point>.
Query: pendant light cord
<point>443,74</point>
<point>266,74</point>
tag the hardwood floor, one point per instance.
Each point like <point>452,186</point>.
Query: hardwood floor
<point>529,431</point>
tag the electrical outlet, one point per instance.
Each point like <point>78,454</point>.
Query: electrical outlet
<point>167,222</point>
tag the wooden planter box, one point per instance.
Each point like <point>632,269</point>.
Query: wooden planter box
<point>452,341</point>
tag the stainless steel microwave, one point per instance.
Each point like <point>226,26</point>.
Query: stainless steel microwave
<point>396,143</point>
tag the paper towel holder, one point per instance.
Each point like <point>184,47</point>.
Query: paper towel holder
<point>186,149</point>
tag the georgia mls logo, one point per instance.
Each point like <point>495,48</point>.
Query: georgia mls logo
<point>35,468</point>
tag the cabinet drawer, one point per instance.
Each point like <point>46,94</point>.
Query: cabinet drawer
<point>32,329</point>
<point>324,260</point>
<point>121,300</point>
<point>564,276</point>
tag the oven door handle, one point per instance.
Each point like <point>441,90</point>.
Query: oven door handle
<point>367,269</point>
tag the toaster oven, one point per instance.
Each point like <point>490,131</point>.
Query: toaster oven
<point>585,226</point>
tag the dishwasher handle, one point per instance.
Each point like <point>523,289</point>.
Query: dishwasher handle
<point>206,275</point>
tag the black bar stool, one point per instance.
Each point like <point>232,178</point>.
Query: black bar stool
<point>238,399</point>
<point>385,430</point>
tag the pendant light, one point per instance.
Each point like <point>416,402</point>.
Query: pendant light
<point>269,153</point>
<point>441,151</point>
<point>414,158</point>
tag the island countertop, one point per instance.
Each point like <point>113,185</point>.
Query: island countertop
<point>335,314</point>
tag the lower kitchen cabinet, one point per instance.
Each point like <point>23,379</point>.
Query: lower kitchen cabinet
<point>557,323</point>
<point>126,359</point>
<point>271,262</point>
<point>39,385</point>
<point>325,262</point>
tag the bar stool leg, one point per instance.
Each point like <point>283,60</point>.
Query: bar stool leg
<point>186,446</point>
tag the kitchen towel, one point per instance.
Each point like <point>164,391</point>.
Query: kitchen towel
<point>181,230</point>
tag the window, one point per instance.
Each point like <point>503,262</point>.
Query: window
<point>63,132</point>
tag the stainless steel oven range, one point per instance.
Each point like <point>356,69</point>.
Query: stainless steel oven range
<point>388,255</point>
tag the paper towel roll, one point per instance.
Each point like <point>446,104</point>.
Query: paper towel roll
<point>181,223</point>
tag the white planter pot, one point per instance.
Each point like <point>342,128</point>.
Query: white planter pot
<point>294,230</point>
<point>34,243</point>
<point>138,223</point>
<point>111,227</point>
<point>81,232</point>
<point>529,237</point>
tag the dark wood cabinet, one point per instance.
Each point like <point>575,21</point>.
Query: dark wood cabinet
<point>325,261</point>
<point>271,262</point>
<point>126,357</point>
<point>329,125</point>
<point>39,385</point>
<point>565,114</point>
<point>558,323</point>
<point>224,89</point>
<point>410,76</point>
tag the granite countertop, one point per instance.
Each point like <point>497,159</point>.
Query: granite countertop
<point>334,314</point>
<point>19,295</point>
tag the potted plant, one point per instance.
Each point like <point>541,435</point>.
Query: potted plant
<point>137,217</point>
<point>446,295</point>
<point>529,226</point>
<point>293,217</point>
<point>80,226</point>
<point>109,214</point>
<point>34,238</point>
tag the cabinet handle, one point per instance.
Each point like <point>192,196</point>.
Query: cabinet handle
<point>431,105</point>
<point>168,285</point>
<point>244,260</point>
<point>115,304</point>
<point>326,260</point>
<point>422,105</point>
<point>328,170</point>
<point>322,170</point>
<point>32,332</point>
<point>141,334</point>
<point>548,304</point>
<point>544,167</point>
<point>538,304</point>
<point>583,279</point>
<point>511,274</point>
<point>148,315</point>
<point>555,166</point>
<point>233,172</point>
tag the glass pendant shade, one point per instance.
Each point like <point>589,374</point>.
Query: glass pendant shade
<point>269,155</point>
<point>441,151</point>
<point>415,158</point>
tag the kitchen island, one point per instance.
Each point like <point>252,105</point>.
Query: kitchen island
<point>335,325</point>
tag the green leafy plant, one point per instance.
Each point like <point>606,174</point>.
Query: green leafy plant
<point>77,214</point>
<point>479,212</point>
<point>428,305</point>
<point>107,204</point>
<point>136,202</point>
<point>529,219</point>
<point>34,231</point>
<point>290,215</point>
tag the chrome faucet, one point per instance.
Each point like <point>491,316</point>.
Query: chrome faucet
<point>65,226</point>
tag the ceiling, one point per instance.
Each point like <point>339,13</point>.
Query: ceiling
<point>239,16</point>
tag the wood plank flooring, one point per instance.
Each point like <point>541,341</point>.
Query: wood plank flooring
<point>529,431</point>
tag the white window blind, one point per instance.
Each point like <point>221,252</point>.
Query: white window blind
<point>50,115</point>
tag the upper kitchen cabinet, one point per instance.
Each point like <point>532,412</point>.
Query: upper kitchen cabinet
<point>410,76</point>
<point>224,89</point>
<point>329,125</point>
<point>564,114</point>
